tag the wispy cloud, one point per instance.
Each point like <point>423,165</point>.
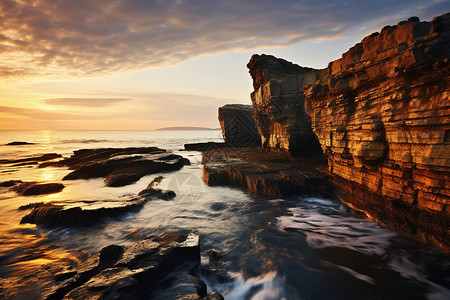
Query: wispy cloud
<point>40,114</point>
<point>85,102</point>
<point>84,37</point>
<point>153,108</point>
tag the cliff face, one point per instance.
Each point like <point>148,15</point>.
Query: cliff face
<point>381,114</point>
<point>238,127</point>
<point>279,105</point>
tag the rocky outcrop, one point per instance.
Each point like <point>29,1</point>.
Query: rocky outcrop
<point>88,212</point>
<point>119,166</point>
<point>117,272</point>
<point>238,127</point>
<point>36,188</point>
<point>17,143</point>
<point>204,146</point>
<point>279,106</point>
<point>263,173</point>
<point>33,160</point>
<point>382,116</point>
<point>10,183</point>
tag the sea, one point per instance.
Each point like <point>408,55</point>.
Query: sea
<point>301,247</point>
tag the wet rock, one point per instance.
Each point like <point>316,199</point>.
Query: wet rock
<point>205,146</point>
<point>158,193</point>
<point>10,183</point>
<point>214,258</point>
<point>213,296</point>
<point>238,126</point>
<point>88,212</point>
<point>84,157</point>
<point>31,160</point>
<point>265,173</point>
<point>127,273</point>
<point>80,213</point>
<point>214,269</point>
<point>152,191</point>
<point>35,188</point>
<point>18,143</point>
<point>119,166</point>
<point>155,182</point>
<point>210,296</point>
<point>110,255</point>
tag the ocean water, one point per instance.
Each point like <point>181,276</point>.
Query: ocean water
<point>301,247</point>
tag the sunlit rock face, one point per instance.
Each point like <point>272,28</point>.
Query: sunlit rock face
<point>381,114</point>
<point>279,104</point>
<point>238,127</point>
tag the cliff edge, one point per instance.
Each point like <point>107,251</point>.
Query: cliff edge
<point>381,114</point>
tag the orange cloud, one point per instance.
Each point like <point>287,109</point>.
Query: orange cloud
<point>84,37</point>
<point>85,102</point>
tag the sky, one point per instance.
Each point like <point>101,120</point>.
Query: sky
<point>144,64</point>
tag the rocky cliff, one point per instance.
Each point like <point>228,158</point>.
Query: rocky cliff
<point>279,106</point>
<point>381,114</point>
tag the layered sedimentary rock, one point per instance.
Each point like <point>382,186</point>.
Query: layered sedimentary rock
<point>238,127</point>
<point>263,173</point>
<point>382,116</point>
<point>279,105</point>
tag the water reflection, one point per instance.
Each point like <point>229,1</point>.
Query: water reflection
<point>47,174</point>
<point>298,248</point>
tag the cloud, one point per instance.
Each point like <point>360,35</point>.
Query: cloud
<point>85,102</point>
<point>84,37</point>
<point>39,114</point>
<point>153,108</point>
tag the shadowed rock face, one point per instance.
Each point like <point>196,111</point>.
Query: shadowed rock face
<point>204,146</point>
<point>279,106</point>
<point>381,115</point>
<point>238,126</point>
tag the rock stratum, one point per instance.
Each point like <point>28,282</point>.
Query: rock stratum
<point>263,173</point>
<point>380,114</point>
<point>118,272</point>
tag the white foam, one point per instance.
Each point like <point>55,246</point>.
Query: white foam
<point>324,226</point>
